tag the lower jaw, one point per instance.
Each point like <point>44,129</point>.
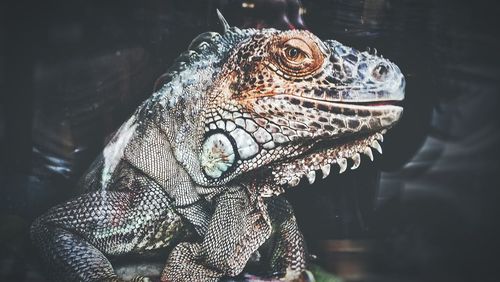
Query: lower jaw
<point>325,144</point>
<point>326,154</point>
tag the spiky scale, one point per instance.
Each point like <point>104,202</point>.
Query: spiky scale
<point>357,160</point>
<point>342,162</point>
<point>368,151</point>
<point>375,145</point>
<point>325,170</point>
<point>223,21</point>
<point>311,176</point>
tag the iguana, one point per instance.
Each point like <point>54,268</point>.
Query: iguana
<point>201,166</point>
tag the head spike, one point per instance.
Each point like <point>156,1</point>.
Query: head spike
<point>223,21</point>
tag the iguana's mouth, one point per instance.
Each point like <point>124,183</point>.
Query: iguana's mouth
<point>376,103</point>
<point>347,107</point>
<point>351,142</point>
<point>325,133</point>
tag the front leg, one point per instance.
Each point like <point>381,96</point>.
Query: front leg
<point>285,252</point>
<point>236,230</point>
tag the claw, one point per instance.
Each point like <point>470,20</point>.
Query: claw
<point>311,176</point>
<point>307,276</point>
<point>325,170</point>
<point>357,160</point>
<point>342,164</point>
<point>375,145</point>
<point>367,151</point>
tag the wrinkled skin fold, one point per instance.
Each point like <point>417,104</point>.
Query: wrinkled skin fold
<point>200,167</point>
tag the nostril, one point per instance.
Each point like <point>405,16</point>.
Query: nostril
<point>380,71</point>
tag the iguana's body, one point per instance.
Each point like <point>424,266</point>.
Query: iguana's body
<point>200,166</point>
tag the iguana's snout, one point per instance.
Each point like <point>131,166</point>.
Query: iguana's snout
<point>363,76</point>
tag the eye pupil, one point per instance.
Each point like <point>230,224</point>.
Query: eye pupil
<point>293,52</point>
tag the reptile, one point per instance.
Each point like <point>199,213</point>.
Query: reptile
<point>200,168</point>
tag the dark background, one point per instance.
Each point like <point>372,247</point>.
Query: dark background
<point>72,71</point>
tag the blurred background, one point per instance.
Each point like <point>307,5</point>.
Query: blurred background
<point>72,71</point>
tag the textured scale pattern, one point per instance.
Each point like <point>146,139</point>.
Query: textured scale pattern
<point>199,169</point>
<point>92,226</point>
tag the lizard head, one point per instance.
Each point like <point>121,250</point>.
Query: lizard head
<point>294,104</point>
<point>287,104</point>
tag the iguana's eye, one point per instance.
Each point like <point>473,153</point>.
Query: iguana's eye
<point>294,54</point>
<point>298,56</point>
<point>296,51</point>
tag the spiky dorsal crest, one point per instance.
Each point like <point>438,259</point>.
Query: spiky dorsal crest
<point>223,21</point>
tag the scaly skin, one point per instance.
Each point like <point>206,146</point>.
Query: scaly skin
<point>200,166</point>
